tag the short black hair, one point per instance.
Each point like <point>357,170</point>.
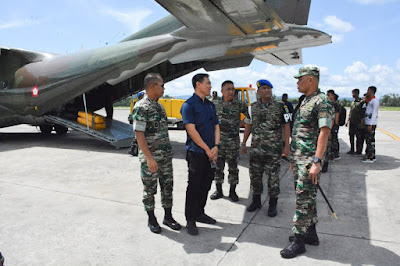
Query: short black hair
<point>330,91</point>
<point>356,91</point>
<point>226,82</point>
<point>372,88</point>
<point>151,78</point>
<point>336,96</point>
<point>285,94</point>
<point>198,77</point>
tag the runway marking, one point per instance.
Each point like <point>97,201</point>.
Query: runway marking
<point>389,134</point>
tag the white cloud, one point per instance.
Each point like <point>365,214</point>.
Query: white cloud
<point>371,2</point>
<point>357,75</point>
<point>337,25</point>
<point>131,19</point>
<point>398,64</point>
<point>18,23</point>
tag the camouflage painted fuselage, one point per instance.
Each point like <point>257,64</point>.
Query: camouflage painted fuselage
<point>174,46</point>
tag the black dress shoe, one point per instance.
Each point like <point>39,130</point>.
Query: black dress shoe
<point>174,225</point>
<point>154,226</point>
<point>192,228</point>
<point>205,219</point>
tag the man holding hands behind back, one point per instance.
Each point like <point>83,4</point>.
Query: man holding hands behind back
<point>203,136</point>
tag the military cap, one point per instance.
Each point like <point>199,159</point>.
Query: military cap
<point>263,82</point>
<point>314,71</point>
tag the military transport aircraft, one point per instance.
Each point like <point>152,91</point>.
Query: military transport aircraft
<point>47,90</point>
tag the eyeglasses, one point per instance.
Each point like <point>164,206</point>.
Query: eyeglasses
<point>159,85</point>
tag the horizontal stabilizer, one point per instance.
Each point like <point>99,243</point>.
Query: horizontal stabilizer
<point>16,58</point>
<point>291,57</point>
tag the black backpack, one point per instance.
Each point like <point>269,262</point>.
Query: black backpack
<point>342,116</point>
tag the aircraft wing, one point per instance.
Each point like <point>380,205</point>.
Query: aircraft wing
<point>290,57</point>
<point>225,17</point>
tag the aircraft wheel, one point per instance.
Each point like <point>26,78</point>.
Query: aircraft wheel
<point>46,129</point>
<point>60,130</point>
<point>180,125</point>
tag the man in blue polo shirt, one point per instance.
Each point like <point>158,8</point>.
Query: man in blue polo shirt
<point>202,126</point>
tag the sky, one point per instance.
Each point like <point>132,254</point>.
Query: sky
<point>364,52</point>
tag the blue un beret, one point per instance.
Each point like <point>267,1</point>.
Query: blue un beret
<point>262,82</point>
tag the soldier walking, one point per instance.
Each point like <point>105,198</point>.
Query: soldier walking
<point>228,111</point>
<point>155,154</point>
<point>267,119</point>
<point>310,134</point>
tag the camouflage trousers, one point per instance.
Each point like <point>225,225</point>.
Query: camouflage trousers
<point>335,141</point>
<point>270,163</point>
<point>370,139</point>
<point>164,176</point>
<point>306,199</point>
<point>231,157</point>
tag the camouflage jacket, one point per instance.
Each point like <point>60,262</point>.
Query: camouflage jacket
<point>315,112</point>
<point>229,114</point>
<point>356,113</point>
<point>266,120</point>
<point>150,117</point>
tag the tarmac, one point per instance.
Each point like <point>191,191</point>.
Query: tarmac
<point>74,200</point>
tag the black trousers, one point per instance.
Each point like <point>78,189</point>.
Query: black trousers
<point>200,178</point>
<point>359,133</point>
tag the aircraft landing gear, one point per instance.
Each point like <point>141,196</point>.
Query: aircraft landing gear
<point>46,129</point>
<point>60,130</point>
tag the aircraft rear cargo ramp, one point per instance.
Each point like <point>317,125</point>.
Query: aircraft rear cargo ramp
<point>117,133</point>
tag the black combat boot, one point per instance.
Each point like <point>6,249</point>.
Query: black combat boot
<point>310,238</point>
<point>218,193</point>
<point>295,248</point>
<point>255,204</point>
<point>272,212</point>
<point>153,224</point>
<point>232,194</point>
<point>169,221</point>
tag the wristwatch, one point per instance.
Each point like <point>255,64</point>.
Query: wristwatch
<point>317,160</point>
<point>217,145</point>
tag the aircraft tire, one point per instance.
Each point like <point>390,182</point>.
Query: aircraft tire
<point>60,130</point>
<point>46,129</point>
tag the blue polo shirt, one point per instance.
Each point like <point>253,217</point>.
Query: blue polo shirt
<point>203,115</point>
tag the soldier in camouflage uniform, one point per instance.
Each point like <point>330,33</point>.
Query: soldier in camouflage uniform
<point>155,154</point>
<point>310,134</point>
<point>267,118</point>
<point>228,111</point>
<point>334,150</point>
